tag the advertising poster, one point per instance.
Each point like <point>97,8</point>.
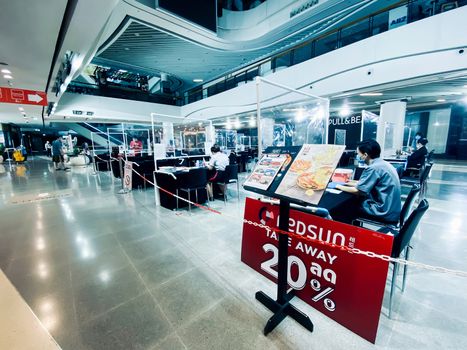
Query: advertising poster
<point>346,287</point>
<point>266,170</point>
<point>310,172</point>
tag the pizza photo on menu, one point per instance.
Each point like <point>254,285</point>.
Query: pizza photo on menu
<point>310,172</point>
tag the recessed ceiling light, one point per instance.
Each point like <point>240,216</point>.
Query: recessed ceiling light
<point>6,71</point>
<point>441,100</point>
<point>127,49</point>
<point>198,80</point>
<point>136,34</point>
<point>356,103</point>
<point>372,94</point>
<point>7,76</point>
<point>344,111</point>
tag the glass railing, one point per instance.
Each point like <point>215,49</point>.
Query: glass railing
<point>120,92</point>
<point>357,30</point>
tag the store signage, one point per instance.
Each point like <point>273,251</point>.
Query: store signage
<point>398,17</point>
<point>304,7</point>
<point>345,121</point>
<point>25,97</point>
<point>127,176</point>
<point>346,287</point>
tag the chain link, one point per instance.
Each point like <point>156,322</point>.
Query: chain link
<point>349,250</point>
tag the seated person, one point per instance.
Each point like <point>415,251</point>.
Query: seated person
<point>417,137</point>
<point>216,167</point>
<point>417,158</point>
<point>378,184</point>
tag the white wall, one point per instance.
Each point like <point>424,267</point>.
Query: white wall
<point>438,127</point>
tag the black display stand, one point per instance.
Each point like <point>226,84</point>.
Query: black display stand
<point>281,307</point>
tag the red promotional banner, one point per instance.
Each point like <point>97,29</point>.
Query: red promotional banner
<point>346,287</point>
<point>25,97</point>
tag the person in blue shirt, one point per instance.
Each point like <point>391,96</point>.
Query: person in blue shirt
<point>57,154</point>
<point>379,186</point>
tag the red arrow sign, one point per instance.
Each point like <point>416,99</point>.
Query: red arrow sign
<point>24,97</point>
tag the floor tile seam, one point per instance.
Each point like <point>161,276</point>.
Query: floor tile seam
<point>111,309</point>
<point>171,279</point>
<point>156,302</point>
<point>161,341</point>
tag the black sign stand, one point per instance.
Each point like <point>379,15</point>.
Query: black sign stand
<point>281,307</point>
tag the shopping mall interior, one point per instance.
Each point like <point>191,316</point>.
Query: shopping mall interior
<point>175,174</point>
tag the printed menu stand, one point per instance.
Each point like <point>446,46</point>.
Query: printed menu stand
<point>310,168</point>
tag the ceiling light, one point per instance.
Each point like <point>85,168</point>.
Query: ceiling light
<point>21,109</point>
<point>6,71</point>
<point>252,121</point>
<point>7,76</point>
<point>300,115</point>
<point>127,49</point>
<point>344,111</point>
<point>356,103</point>
<point>465,86</point>
<point>238,125</point>
<point>441,100</point>
<point>293,109</point>
<point>372,94</point>
<point>198,80</point>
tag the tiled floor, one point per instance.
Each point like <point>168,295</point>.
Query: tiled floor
<point>103,270</point>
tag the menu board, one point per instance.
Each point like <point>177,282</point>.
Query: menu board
<point>266,170</point>
<point>310,172</point>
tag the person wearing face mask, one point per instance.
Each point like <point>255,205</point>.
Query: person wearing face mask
<point>417,158</point>
<point>417,137</point>
<point>379,187</point>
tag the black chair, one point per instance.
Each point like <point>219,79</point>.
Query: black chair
<point>193,180</point>
<point>429,156</point>
<point>230,177</point>
<point>405,211</point>
<point>401,243</point>
<point>422,180</point>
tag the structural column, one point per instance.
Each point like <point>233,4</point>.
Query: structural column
<point>390,133</point>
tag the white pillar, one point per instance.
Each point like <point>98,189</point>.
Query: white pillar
<point>167,133</point>
<point>390,133</point>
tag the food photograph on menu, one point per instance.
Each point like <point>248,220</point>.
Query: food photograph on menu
<point>266,170</point>
<point>310,172</point>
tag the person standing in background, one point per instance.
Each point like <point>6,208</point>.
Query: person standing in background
<point>48,148</point>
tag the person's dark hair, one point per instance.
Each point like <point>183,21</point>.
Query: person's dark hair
<point>423,141</point>
<point>215,149</point>
<point>419,134</point>
<point>370,147</point>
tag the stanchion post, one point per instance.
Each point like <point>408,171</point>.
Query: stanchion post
<point>281,307</point>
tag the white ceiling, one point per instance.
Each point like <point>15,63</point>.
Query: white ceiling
<point>28,34</point>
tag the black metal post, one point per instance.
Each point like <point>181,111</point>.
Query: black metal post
<point>281,307</point>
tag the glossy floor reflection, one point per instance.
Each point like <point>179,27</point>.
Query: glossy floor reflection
<point>103,270</point>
